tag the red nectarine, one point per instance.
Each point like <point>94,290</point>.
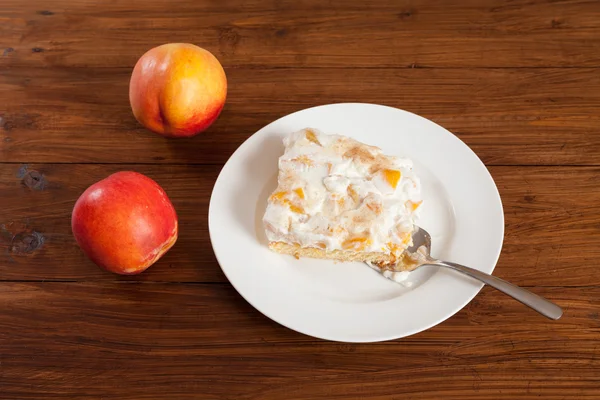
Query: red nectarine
<point>124,223</point>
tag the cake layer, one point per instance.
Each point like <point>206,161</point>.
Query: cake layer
<point>379,259</point>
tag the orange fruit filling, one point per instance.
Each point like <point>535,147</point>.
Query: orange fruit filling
<point>310,135</point>
<point>392,176</point>
<point>413,206</point>
<point>357,243</point>
<point>295,208</point>
<point>277,196</point>
<point>280,197</point>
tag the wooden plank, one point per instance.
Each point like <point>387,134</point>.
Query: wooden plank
<point>312,33</point>
<point>147,341</point>
<point>552,223</point>
<point>508,116</point>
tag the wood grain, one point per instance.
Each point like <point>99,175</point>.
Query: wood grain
<point>552,223</point>
<point>312,33</point>
<point>143,341</point>
<point>517,80</point>
<point>508,116</point>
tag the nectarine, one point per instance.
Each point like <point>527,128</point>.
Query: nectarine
<point>124,223</point>
<point>177,89</point>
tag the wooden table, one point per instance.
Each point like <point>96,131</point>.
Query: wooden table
<point>518,81</point>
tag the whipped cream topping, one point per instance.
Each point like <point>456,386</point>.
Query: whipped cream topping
<point>336,193</point>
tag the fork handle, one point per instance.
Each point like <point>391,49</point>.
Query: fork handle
<point>538,303</point>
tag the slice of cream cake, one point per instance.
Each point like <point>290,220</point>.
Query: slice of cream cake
<point>341,199</point>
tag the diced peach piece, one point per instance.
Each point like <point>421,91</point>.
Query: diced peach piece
<point>413,206</point>
<point>357,243</point>
<point>312,137</point>
<point>299,192</point>
<point>277,196</point>
<point>295,208</point>
<point>392,176</point>
<point>280,197</point>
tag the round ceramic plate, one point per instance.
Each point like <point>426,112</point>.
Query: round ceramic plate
<point>350,302</point>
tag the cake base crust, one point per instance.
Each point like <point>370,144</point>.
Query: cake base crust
<point>380,260</point>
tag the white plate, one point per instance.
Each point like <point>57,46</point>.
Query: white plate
<point>349,302</point>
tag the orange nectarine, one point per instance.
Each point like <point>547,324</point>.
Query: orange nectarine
<point>177,89</point>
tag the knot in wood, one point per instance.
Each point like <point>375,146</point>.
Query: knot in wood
<point>34,180</point>
<point>26,242</point>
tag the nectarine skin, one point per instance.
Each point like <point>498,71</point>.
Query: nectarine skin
<point>124,223</point>
<point>177,89</point>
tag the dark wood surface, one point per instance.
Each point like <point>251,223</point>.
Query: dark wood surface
<point>518,81</point>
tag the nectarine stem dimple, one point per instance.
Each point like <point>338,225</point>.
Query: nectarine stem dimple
<point>160,117</point>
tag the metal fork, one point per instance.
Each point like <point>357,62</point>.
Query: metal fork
<point>419,255</point>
